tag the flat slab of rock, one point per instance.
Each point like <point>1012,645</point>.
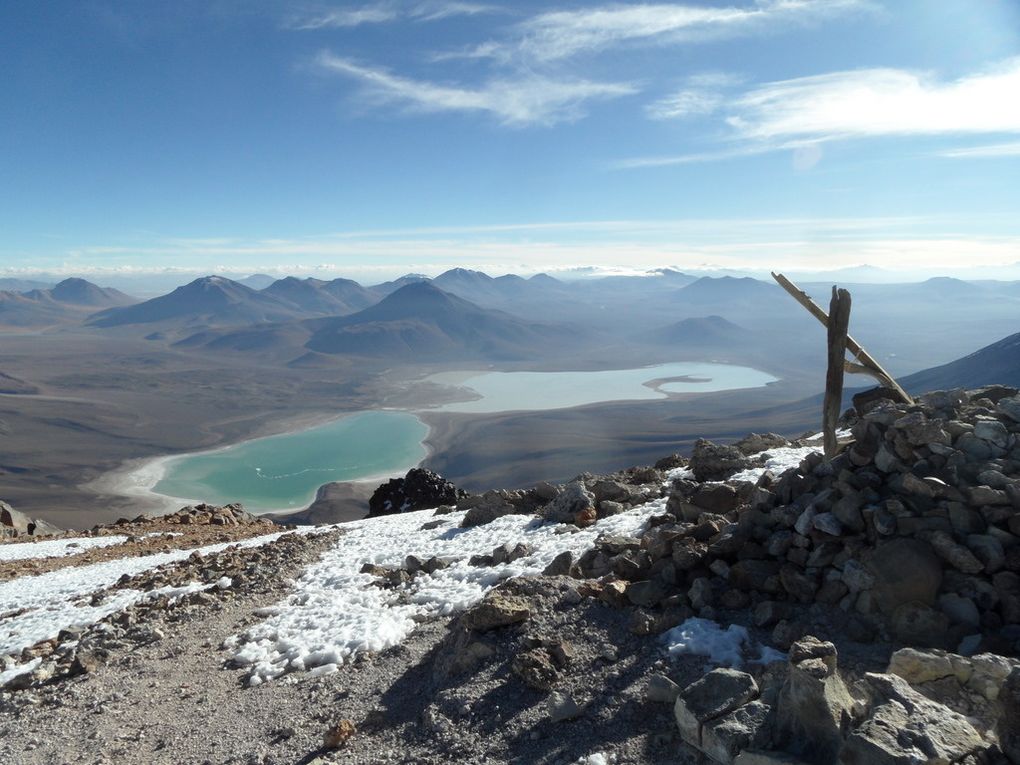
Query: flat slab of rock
<point>495,610</point>
<point>716,694</point>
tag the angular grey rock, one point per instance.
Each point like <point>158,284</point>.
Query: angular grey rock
<point>815,707</point>
<point>495,610</point>
<point>561,706</point>
<point>716,694</point>
<point>574,499</point>
<point>725,737</point>
<point>1009,722</point>
<point>661,689</point>
<point>715,462</point>
<point>906,727</point>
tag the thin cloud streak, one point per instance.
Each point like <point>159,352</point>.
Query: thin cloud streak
<point>981,152</point>
<point>558,35</point>
<point>381,13</point>
<point>529,100</point>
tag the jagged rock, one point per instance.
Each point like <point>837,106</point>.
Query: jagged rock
<point>417,490</point>
<point>715,462</point>
<point>560,565</point>
<point>719,498</point>
<point>662,689</point>
<point>1009,721</point>
<point>575,500</point>
<point>754,443</point>
<point>905,571</point>
<point>495,610</point>
<point>906,727</point>
<point>535,668</point>
<point>918,667</point>
<point>716,694</point>
<point>815,707</point>
<point>561,706</point>
<point>339,734</point>
<point>725,737</point>
<point>485,509</point>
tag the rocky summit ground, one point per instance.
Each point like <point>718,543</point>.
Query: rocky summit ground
<point>751,604</point>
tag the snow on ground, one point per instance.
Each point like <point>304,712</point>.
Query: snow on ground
<point>334,612</point>
<point>55,548</point>
<point>732,647</point>
<point>777,460</point>
<point>35,608</point>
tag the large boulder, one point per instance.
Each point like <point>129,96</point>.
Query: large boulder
<point>714,696</point>
<point>906,727</point>
<point>572,504</point>
<point>418,490</point>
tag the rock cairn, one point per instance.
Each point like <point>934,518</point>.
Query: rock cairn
<point>912,532</point>
<point>417,490</point>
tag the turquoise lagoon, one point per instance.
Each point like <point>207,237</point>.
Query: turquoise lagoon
<point>284,471</point>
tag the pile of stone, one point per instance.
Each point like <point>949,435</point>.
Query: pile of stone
<point>417,490</point>
<point>197,515</point>
<point>912,532</point>
<point>807,713</point>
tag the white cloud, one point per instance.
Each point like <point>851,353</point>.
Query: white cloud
<point>557,35</point>
<point>436,11</point>
<point>880,102</point>
<point>380,13</point>
<point>347,17</point>
<point>685,103</point>
<point>528,100</point>
<point>987,151</point>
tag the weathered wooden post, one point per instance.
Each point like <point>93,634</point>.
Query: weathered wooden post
<point>838,323</point>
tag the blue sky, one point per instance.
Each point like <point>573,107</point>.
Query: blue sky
<point>385,137</point>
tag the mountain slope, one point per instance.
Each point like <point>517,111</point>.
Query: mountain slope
<point>421,321</point>
<point>332,298</point>
<point>81,292</point>
<point>998,363</point>
<point>67,302</point>
<point>209,301</point>
<point>703,332</point>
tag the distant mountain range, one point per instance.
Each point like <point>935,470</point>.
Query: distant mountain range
<point>332,298</point>
<point>69,301</point>
<point>417,322</point>
<point>209,301</point>
<point>420,321</point>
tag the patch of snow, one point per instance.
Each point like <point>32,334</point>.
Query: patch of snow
<point>224,582</point>
<point>598,758</point>
<point>730,647</point>
<point>680,472</point>
<point>18,670</point>
<point>55,548</point>
<point>335,612</point>
<point>777,460</point>
<point>35,608</point>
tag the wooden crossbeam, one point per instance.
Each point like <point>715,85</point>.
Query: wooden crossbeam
<point>867,364</point>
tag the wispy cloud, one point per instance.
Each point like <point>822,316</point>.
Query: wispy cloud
<point>526,100</point>
<point>557,35</point>
<point>988,151</point>
<point>380,13</point>
<point>346,18</point>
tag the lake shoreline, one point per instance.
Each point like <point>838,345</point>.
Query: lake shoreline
<point>136,479</point>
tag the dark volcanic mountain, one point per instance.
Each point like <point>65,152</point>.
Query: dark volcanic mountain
<point>209,301</point>
<point>81,292</point>
<point>332,298</point>
<point>389,287</point>
<point>67,302</point>
<point>420,321</point>
<point>998,363</point>
<point>708,332</point>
